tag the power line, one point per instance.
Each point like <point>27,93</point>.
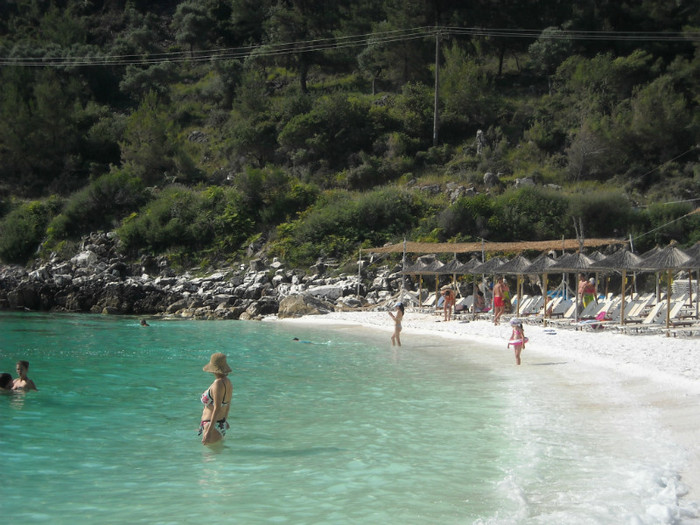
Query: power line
<point>334,43</point>
<point>666,224</point>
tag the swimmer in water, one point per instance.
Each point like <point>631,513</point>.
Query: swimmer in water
<point>23,382</point>
<point>5,382</point>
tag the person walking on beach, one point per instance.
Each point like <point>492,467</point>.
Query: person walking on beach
<point>589,292</point>
<point>517,338</point>
<point>398,317</point>
<point>23,382</point>
<point>216,400</point>
<point>448,303</point>
<point>498,304</point>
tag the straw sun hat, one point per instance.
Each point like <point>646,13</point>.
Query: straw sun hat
<point>217,364</point>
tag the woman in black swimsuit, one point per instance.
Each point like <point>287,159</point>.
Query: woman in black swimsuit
<point>216,401</point>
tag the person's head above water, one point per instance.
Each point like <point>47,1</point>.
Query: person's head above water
<point>5,381</point>
<point>22,368</point>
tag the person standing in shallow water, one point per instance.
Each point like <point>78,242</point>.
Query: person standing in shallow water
<point>398,317</point>
<point>216,400</point>
<point>23,382</point>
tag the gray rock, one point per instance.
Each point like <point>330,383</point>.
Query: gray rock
<point>525,181</point>
<point>491,179</point>
<point>327,292</point>
<point>84,259</point>
<point>302,304</point>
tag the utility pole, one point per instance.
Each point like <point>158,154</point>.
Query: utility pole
<point>436,117</point>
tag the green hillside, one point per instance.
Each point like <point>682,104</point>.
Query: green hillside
<point>310,128</point>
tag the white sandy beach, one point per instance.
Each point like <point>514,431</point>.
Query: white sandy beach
<point>659,372</point>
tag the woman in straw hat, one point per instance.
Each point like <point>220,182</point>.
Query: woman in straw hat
<point>216,401</point>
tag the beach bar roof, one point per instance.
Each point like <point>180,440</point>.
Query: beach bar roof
<point>491,247</point>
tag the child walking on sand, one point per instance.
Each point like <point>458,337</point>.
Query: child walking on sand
<point>517,338</point>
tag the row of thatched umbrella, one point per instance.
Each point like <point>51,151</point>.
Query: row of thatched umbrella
<point>668,259</point>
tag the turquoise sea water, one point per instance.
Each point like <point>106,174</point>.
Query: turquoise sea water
<point>345,430</point>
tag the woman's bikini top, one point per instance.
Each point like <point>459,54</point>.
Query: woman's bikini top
<point>208,399</point>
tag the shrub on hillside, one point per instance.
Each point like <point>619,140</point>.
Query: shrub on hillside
<point>189,220</point>
<point>100,205</point>
<point>604,213</point>
<point>23,229</point>
<point>336,126</point>
<point>531,213</point>
<point>272,195</point>
<point>670,222</point>
<point>342,220</point>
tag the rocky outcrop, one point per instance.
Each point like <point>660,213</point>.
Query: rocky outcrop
<point>98,279</point>
<point>298,305</point>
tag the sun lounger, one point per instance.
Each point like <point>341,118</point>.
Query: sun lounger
<point>430,301</point>
<point>590,311</point>
<point>533,307</point>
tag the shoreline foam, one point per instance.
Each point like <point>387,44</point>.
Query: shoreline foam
<point>659,372</point>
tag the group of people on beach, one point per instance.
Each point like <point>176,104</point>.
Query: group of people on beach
<point>500,295</point>
<point>20,383</point>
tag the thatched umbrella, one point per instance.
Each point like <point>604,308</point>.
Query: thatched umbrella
<point>656,249</point>
<point>517,267</point>
<point>596,256</point>
<point>694,252</point>
<point>541,265</point>
<point>622,260</point>
<point>434,268</point>
<point>668,259</point>
<point>468,269</point>
<point>471,264</point>
<point>489,267</point>
<point>453,268</point>
<point>573,262</point>
<point>416,269</point>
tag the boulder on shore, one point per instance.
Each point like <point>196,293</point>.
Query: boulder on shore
<point>298,305</point>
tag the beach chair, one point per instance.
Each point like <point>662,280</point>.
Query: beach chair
<point>590,311</point>
<point>654,317</point>
<point>681,315</point>
<point>463,306</point>
<point>522,305</point>
<point>534,307</point>
<point>562,307</point>
<point>564,313</point>
<point>598,323</point>
<point>429,301</point>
